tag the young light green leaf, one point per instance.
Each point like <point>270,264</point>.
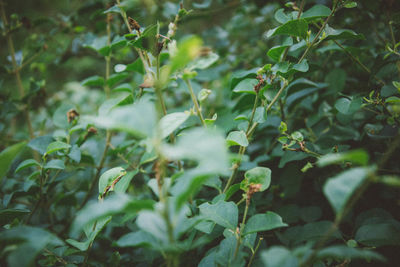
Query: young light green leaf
<point>188,50</point>
<point>222,213</point>
<point>263,222</point>
<point>138,239</point>
<point>340,188</point>
<point>93,81</point>
<point>297,136</point>
<point>237,138</point>
<point>203,62</point>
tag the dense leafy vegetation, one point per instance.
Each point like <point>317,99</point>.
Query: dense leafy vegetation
<point>206,133</point>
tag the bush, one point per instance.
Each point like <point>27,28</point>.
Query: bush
<point>214,133</point>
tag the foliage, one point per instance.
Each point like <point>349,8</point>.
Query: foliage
<point>208,133</point>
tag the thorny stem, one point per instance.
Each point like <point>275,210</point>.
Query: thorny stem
<point>319,33</point>
<point>195,102</point>
<point>17,72</point>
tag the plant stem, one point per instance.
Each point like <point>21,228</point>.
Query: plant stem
<point>195,102</point>
<point>239,239</point>
<point>319,33</point>
<point>356,60</point>
<point>255,252</point>
<point>253,112</point>
<point>16,69</point>
<point>301,9</point>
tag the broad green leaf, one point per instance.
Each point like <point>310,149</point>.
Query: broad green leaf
<point>8,155</point>
<point>118,42</point>
<point>27,163</point>
<point>108,177</point>
<point>9,215</point>
<point>147,40</point>
<point>205,226</point>
<point>124,183</point>
<point>340,188</point>
<point>246,86</point>
<point>57,146</point>
<point>93,81</point>
<point>207,147</point>
<point>341,252</point>
<point>297,28</point>
<point>297,136</point>
<point>60,118</point>
<point>170,122</point>
<point>136,66</point>
<point>259,115</point>
<point>57,164</point>
<point>358,156</point>
<point>336,80</point>
<point>263,222</point>
<point>377,234</point>
<point>203,62</point>
<point>117,78</point>
<point>115,204</point>
<point>40,143</point>
<point>91,232</point>
<point>241,75</point>
<point>276,52</point>
<point>392,99</point>
<point>27,242</point>
<point>316,12</point>
<point>222,213</point>
<point>281,17</point>
<point>278,256</point>
<point>347,106</point>
<point>342,34</point>
<point>125,87</point>
<point>257,175</point>
<point>138,119</point>
<point>99,44</point>
<point>237,138</point>
<point>138,239</point>
<point>188,50</point>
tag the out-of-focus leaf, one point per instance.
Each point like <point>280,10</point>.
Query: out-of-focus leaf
<point>222,213</point>
<point>237,138</point>
<point>355,156</point>
<point>7,156</point>
<point>170,122</point>
<point>297,28</point>
<point>263,222</point>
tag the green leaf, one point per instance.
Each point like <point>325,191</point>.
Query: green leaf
<point>56,146</point>
<point>117,78</point>
<point>40,143</point>
<point>350,4</point>
<point>27,242</point>
<point>203,62</point>
<point>125,87</point>
<point>115,204</point>
<point>124,183</point>
<point>57,164</point>
<point>99,44</point>
<point>188,50</point>
<point>392,99</point>
<point>60,118</point>
<point>343,34</point>
<point>9,215</point>
<point>316,12</point>
<point>336,80</point>
<point>113,9</point>
<point>377,234</point>
<point>246,86</point>
<point>297,136</point>
<point>138,119</point>
<point>138,239</point>
<point>257,175</point>
<point>341,252</point>
<point>358,156</point>
<point>8,155</point>
<point>147,40</point>
<point>170,122</point>
<point>263,222</point>
<point>222,213</point>
<point>276,52</point>
<point>283,127</point>
<point>259,115</point>
<point>27,163</point>
<point>108,177</point>
<point>278,256</point>
<point>136,66</point>
<point>340,188</point>
<point>347,106</point>
<point>281,17</point>
<point>93,81</point>
<point>296,28</point>
<point>237,138</point>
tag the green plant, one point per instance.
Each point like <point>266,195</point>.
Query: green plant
<point>211,150</point>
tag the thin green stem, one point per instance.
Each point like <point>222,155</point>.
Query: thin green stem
<point>255,252</point>
<point>319,33</point>
<point>253,112</point>
<point>195,102</point>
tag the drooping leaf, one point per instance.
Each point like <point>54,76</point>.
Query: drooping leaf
<point>108,177</point>
<point>358,156</point>
<point>237,138</point>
